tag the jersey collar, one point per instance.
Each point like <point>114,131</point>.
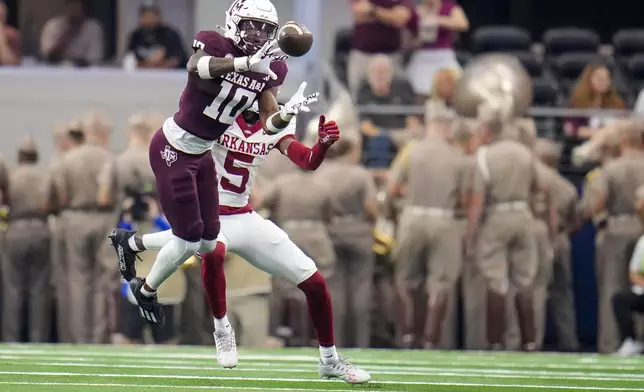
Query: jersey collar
<point>248,130</point>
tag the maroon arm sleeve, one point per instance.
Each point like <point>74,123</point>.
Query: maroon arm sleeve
<point>304,157</point>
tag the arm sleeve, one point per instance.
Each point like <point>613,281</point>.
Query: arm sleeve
<point>304,157</point>
<point>212,43</point>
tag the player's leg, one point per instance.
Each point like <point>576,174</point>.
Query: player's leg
<point>178,197</point>
<point>268,248</point>
<point>214,282</point>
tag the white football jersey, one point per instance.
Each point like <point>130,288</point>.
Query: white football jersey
<point>238,154</point>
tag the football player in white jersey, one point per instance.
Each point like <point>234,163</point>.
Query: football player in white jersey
<point>238,154</point>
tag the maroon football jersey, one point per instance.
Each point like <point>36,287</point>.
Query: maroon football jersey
<point>208,107</point>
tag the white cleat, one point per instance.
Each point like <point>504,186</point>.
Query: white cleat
<point>344,371</point>
<point>226,349</point>
<point>630,348</point>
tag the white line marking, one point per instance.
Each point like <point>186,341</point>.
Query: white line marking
<point>267,379</point>
<point>430,371</point>
<point>568,387</point>
<point>111,385</point>
<point>446,361</point>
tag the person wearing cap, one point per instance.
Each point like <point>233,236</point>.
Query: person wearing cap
<point>155,44</point>
<point>84,226</point>
<point>26,263</point>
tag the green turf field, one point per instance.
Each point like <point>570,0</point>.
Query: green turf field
<point>35,368</point>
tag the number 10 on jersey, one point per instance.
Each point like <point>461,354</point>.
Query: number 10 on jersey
<point>229,104</point>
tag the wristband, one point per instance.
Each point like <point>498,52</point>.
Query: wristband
<point>240,64</point>
<point>203,67</point>
<point>285,116</point>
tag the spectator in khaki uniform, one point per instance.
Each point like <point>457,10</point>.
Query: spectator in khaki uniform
<point>304,216</point>
<point>85,230</point>
<point>429,243</point>
<point>473,285</point>
<point>506,248</point>
<point>353,212</point>
<point>65,137</point>
<point>560,291</point>
<point>25,267</point>
<point>545,228</point>
<point>609,150</point>
<point>127,183</point>
<point>616,193</point>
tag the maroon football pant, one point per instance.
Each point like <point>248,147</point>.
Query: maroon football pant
<point>186,189</point>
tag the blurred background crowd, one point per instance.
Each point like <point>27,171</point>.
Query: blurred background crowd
<point>100,76</point>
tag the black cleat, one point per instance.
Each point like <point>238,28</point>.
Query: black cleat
<point>125,255</point>
<point>149,307</point>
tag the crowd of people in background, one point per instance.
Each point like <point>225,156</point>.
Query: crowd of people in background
<point>73,37</point>
<point>427,226</point>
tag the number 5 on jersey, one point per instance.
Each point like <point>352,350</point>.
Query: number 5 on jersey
<point>232,167</point>
<point>229,104</point>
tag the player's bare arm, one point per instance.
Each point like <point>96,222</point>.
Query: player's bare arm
<point>311,158</point>
<point>216,66</point>
<point>212,67</point>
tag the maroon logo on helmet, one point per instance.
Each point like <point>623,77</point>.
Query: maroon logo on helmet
<point>237,6</point>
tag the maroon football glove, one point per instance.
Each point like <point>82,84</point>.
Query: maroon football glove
<point>328,132</point>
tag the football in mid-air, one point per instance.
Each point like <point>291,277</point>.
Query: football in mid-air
<point>294,39</point>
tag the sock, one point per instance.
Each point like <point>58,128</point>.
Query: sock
<point>170,257</point>
<point>155,240</point>
<point>328,355</point>
<point>318,301</point>
<point>213,278</point>
<point>223,324</point>
<point>148,293</point>
<point>136,244</point>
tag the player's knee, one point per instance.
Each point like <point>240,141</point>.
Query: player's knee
<point>314,285</point>
<point>211,230</point>
<point>183,249</point>
<point>192,233</point>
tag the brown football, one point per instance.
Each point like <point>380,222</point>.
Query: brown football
<point>295,39</point>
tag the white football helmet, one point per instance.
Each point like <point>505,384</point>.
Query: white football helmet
<point>251,23</point>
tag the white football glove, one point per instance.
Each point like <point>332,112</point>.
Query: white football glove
<point>299,102</point>
<point>261,61</point>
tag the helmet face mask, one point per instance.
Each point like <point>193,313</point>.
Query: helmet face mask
<point>254,34</point>
<point>251,23</point>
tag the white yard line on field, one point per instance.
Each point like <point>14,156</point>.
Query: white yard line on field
<point>267,379</point>
<point>150,386</point>
<point>513,386</point>
<point>447,361</point>
<point>400,371</point>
